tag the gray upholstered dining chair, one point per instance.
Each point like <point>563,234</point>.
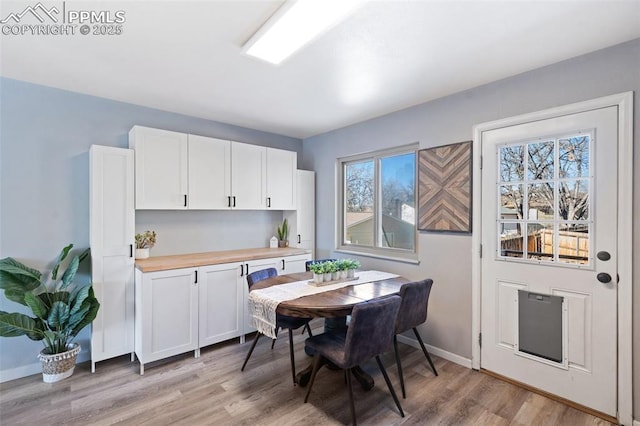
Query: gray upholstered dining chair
<point>413,312</point>
<point>369,334</point>
<point>282,321</point>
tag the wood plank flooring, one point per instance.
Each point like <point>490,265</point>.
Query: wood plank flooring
<point>212,390</point>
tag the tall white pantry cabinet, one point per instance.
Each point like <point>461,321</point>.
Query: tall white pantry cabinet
<point>111,224</point>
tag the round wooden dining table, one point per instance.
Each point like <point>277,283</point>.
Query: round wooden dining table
<point>331,304</point>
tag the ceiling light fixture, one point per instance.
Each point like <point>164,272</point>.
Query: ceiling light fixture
<point>293,25</point>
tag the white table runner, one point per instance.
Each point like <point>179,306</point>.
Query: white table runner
<point>263,303</point>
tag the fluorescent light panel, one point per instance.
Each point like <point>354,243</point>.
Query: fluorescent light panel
<point>295,24</point>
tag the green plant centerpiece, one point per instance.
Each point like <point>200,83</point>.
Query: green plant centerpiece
<point>60,309</point>
<point>283,234</point>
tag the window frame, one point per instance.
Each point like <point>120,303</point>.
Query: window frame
<point>387,253</point>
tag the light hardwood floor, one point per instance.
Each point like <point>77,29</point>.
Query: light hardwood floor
<point>212,390</point>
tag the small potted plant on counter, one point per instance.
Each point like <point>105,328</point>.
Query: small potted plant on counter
<point>145,242</point>
<point>283,234</point>
<point>60,309</point>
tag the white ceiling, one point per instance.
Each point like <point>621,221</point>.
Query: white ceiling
<point>186,57</point>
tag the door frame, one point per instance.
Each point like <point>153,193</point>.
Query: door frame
<point>624,102</point>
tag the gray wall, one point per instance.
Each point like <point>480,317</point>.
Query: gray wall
<point>45,135</point>
<point>447,258</point>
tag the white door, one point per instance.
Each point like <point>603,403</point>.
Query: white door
<point>221,296</point>
<point>112,215</point>
<point>209,173</point>
<point>549,227</point>
<point>281,179</point>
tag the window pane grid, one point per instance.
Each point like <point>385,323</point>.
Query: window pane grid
<point>544,189</point>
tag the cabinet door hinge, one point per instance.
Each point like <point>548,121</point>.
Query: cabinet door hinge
<point>480,251</point>
<point>480,339</point>
<point>481,159</point>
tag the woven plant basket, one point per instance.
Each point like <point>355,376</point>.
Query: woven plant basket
<point>59,366</point>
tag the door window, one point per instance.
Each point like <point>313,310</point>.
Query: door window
<point>544,196</point>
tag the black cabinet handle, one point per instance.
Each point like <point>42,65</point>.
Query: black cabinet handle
<point>241,270</point>
<point>268,201</point>
<point>247,268</point>
<point>299,240</point>
<point>234,201</point>
<point>283,264</point>
<point>229,201</point>
<point>185,200</point>
<point>130,250</point>
<point>196,276</point>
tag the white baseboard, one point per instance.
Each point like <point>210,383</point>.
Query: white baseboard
<point>35,368</point>
<point>465,362</point>
<point>636,423</point>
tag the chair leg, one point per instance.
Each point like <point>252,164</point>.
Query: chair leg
<point>386,379</point>
<point>351,404</point>
<point>426,354</point>
<point>253,345</point>
<point>293,361</point>
<point>316,366</point>
<point>399,365</point>
<point>273,341</point>
<point>308,328</point>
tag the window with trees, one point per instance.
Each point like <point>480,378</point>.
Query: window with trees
<point>378,202</point>
<point>544,195</point>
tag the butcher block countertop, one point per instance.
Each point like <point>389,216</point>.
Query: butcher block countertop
<point>163,263</point>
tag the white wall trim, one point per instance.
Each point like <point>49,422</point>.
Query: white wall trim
<point>624,102</point>
<point>449,356</point>
<point>31,369</point>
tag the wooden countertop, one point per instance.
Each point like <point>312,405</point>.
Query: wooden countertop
<point>163,263</point>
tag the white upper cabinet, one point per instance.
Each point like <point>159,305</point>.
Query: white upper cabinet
<point>281,179</point>
<point>175,171</point>
<point>248,176</point>
<point>209,173</point>
<point>161,160</point>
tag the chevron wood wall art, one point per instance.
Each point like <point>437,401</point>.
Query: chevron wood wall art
<point>444,188</point>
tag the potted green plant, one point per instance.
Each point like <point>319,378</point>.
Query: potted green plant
<point>318,272</point>
<point>145,242</point>
<point>283,234</point>
<point>342,264</point>
<point>328,269</point>
<point>351,267</point>
<point>60,309</point>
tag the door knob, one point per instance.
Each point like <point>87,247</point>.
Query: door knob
<point>603,255</point>
<point>603,277</point>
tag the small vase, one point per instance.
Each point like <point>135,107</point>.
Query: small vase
<point>327,277</point>
<point>342,275</point>
<point>142,253</point>
<point>318,278</point>
<point>59,366</point>
<point>283,243</point>
<point>335,276</point>
<point>351,273</point>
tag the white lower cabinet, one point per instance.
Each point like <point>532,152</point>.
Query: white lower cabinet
<point>221,302</point>
<point>182,310</point>
<point>166,314</point>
